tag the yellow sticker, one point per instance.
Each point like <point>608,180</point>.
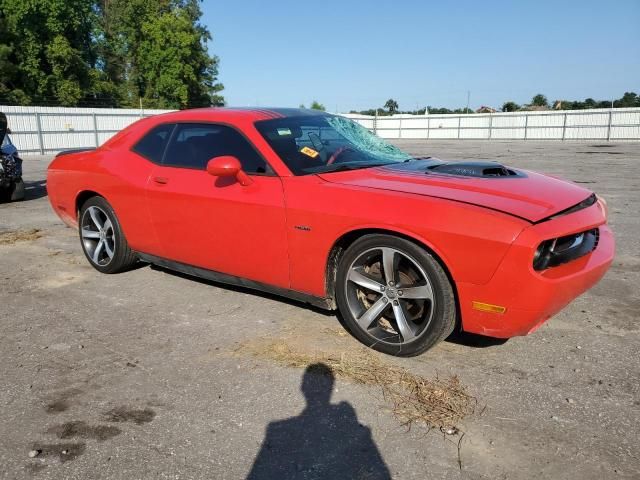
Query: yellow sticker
<point>310,152</point>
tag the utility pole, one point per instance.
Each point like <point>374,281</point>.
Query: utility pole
<point>466,110</point>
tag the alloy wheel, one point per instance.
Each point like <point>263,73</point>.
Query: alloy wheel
<point>390,295</point>
<point>98,236</point>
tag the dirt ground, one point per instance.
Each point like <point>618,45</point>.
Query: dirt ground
<point>148,374</point>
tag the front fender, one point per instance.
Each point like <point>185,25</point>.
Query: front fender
<point>471,241</point>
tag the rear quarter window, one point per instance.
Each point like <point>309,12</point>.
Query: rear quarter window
<point>154,142</point>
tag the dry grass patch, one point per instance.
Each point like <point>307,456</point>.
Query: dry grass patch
<point>439,402</point>
<point>9,238</point>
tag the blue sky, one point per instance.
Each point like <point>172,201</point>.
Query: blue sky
<point>355,54</point>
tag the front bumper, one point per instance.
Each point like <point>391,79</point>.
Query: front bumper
<point>531,297</point>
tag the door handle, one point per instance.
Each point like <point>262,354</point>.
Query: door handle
<point>161,180</point>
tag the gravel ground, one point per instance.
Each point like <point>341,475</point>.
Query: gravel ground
<point>146,374</point>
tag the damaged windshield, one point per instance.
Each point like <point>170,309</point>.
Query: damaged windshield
<point>327,143</point>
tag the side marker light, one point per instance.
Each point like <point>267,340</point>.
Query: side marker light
<point>487,307</point>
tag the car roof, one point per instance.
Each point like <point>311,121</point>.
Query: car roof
<point>225,115</point>
<point>238,113</point>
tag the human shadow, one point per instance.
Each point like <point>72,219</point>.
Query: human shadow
<point>324,442</point>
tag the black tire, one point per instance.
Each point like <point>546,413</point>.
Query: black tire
<point>5,194</point>
<point>17,191</point>
<point>437,319</point>
<point>123,257</point>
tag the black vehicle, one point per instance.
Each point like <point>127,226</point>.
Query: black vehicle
<point>11,184</point>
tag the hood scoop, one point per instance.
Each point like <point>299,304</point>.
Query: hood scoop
<point>475,169</point>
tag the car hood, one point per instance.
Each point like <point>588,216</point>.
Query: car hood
<point>528,195</point>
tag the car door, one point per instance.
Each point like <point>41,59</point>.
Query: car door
<point>215,222</point>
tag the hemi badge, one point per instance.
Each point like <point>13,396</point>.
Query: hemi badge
<point>487,307</point>
<point>303,228</point>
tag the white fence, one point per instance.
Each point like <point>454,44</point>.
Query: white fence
<point>41,130</point>
<point>598,124</point>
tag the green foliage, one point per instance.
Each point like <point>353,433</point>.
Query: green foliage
<point>444,111</point>
<point>539,101</point>
<point>510,106</point>
<point>438,110</point>
<point>106,53</point>
<point>629,99</point>
<point>48,44</point>
<point>317,106</point>
<point>391,105</point>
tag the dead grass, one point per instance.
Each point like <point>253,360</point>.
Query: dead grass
<point>9,238</point>
<point>436,403</point>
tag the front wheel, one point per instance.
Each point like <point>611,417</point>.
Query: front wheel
<point>102,239</point>
<point>394,296</point>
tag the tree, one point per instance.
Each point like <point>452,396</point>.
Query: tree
<point>391,105</point>
<point>539,101</point>
<point>438,111</point>
<point>107,53</point>
<point>51,48</point>
<point>9,80</point>
<point>175,71</point>
<point>156,50</point>
<point>510,106</point>
<point>317,106</point>
<point>629,99</point>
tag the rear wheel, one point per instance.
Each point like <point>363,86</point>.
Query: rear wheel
<point>102,239</point>
<point>394,296</point>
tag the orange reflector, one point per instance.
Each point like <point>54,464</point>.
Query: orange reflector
<point>487,307</point>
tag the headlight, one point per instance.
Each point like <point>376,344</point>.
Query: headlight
<point>557,251</point>
<point>543,255</point>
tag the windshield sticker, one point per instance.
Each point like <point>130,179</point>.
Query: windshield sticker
<point>309,152</point>
<point>284,131</point>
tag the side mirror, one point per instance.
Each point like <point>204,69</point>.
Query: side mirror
<point>228,166</point>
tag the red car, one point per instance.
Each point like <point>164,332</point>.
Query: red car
<point>314,207</point>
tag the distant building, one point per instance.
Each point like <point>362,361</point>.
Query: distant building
<point>485,109</point>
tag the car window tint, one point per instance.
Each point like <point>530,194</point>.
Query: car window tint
<point>193,145</point>
<point>152,145</point>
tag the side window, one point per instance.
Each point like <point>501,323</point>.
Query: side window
<point>194,144</point>
<point>152,145</point>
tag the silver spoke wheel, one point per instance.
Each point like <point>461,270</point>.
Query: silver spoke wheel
<point>389,295</point>
<point>98,236</point>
